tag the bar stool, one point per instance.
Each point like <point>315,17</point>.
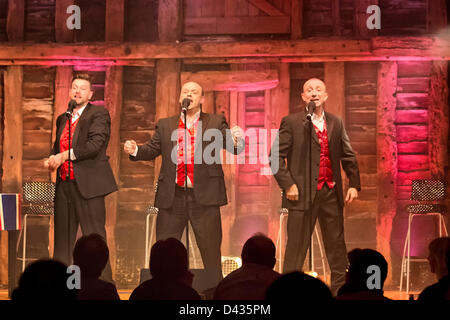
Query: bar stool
<point>283,216</point>
<point>38,203</point>
<point>427,193</point>
<point>150,222</point>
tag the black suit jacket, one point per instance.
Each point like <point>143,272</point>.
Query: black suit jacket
<point>209,183</point>
<point>293,144</point>
<point>93,173</point>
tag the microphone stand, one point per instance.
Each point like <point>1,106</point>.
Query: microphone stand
<point>310,226</point>
<point>185,185</point>
<point>68,178</point>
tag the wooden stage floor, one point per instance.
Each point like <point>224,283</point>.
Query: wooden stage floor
<point>125,295</point>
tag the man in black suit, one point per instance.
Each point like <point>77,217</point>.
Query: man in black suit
<point>205,190</point>
<point>83,182</point>
<point>330,147</point>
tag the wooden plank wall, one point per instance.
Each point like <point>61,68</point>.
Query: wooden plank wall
<point>3,14</point>
<point>237,17</point>
<point>136,178</point>
<point>93,21</point>
<point>141,20</point>
<point>39,20</point>
<point>299,73</point>
<point>360,115</point>
<point>38,100</point>
<point>403,17</point>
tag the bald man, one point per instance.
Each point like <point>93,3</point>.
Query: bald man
<point>330,147</point>
<point>205,183</point>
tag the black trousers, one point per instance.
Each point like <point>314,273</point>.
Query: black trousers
<point>90,214</point>
<point>206,224</point>
<point>300,226</point>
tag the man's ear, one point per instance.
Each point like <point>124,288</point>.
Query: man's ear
<point>91,94</point>
<point>202,99</point>
<point>304,97</point>
<point>325,98</point>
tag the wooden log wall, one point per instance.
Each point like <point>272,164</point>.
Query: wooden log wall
<point>38,105</point>
<point>136,179</point>
<point>360,115</point>
<point>3,15</point>
<point>39,20</point>
<point>237,17</point>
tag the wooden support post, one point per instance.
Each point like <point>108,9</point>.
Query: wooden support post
<point>114,31</point>
<point>170,20</point>
<point>62,33</point>
<point>114,22</point>
<point>113,102</point>
<point>336,16</point>
<point>438,120</point>
<point>386,158</point>
<point>63,83</point>
<point>167,94</point>
<point>12,154</point>
<point>335,81</point>
<point>296,19</point>
<point>279,108</point>
<point>15,20</point>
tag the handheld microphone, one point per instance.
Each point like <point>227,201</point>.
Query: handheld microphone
<point>185,104</point>
<point>72,105</point>
<point>310,108</point>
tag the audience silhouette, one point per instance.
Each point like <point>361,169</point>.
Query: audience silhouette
<point>44,280</point>
<point>299,287</point>
<point>171,278</point>
<point>91,254</point>
<point>250,281</point>
<point>356,285</point>
<point>438,257</point>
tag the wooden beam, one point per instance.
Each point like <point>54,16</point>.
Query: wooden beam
<point>267,7</point>
<point>15,20</point>
<point>386,158</point>
<point>237,25</point>
<point>438,120</point>
<point>318,50</point>
<point>296,19</point>
<point>62,33</point>
<point>170,20</point>
<point>233,80</point>
<point>12,131</point>
<point>85,63</point>
<point>360,18</point>
<point>436,15</point>
<point>12,154</point>
<point>114,24</point>
<point>334,73</point>
<point>113,102</point>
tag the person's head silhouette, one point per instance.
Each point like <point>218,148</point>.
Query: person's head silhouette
<point>259,249</point>
<point>91,255</point>
<point>44,280</point>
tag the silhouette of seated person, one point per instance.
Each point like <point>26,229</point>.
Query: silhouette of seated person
<point>171,278</point>
<point>297,286</point>
<point>439,253</point>
<point>250,281</point>
<point>44,280</point>
<point>361,283</point>
<point>91,254</point>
